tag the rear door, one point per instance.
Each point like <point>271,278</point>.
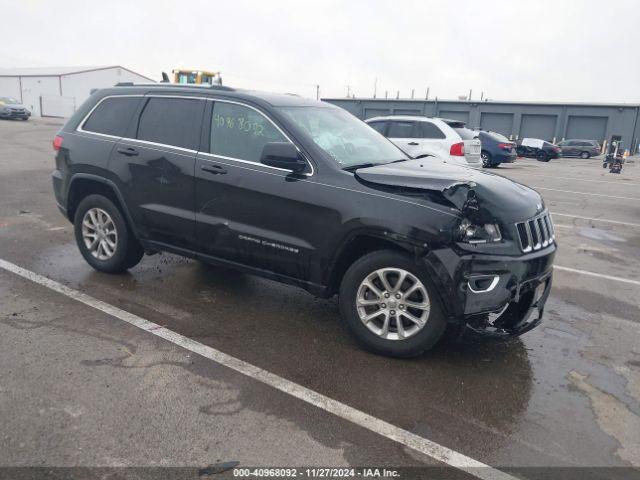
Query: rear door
<point>156,163</point>
<point>433,140</point>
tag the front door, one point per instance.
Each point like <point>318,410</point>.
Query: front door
<point>247,212</point>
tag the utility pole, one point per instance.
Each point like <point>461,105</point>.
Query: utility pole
<point>427,96</point>
<point>398,94</point>
<point>413,91</point>
<point>348,91</point>
<point>386,94</point>
<point>317,92</point>
<point>375,87</point>
<point>481,95</point>
<point>470,92</point>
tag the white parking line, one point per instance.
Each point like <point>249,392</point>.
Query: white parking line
<point>362,419</point>
<point>622,182</point>
<point>597,275</point>
<point>584,193</point>
<point>604,220</point>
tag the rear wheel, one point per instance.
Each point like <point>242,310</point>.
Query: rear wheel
<point>390,306</point>
<point>486,159</point>
<point>105,240</point>
<point>542,156</point>
<point>585,155</point>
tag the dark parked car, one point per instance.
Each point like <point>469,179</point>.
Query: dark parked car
<point>539,149</point>
<point>304,193</point>
<point>12,108</point>
<point>580,148</point>
<point>496,149</point>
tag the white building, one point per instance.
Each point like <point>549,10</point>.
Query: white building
<point>58,91</point>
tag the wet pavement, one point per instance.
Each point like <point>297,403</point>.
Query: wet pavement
<point>80,388</point>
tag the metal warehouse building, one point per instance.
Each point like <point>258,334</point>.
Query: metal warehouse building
<point>550,121</point>
<point>58,91</point>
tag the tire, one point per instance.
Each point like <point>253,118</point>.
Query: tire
<point>585,155</point>
<point>418,339</point>
<point>542,156</point>
<point>124,250</point>
<point>486,159</point>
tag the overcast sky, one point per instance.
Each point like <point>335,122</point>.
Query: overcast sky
<point>561,50</point>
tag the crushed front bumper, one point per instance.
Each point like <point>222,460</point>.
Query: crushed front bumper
<point>493,295</point>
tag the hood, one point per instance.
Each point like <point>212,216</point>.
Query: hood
<point>11,105</point>
<point>478,195</point>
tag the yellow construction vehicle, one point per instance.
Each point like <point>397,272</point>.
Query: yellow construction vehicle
<point>196,77</point>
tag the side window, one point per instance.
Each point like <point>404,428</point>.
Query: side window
<point>378,126</point>
<point>401,129</point>
<point>429,130</point>
<point>112,116</point>
<point>171,121</point>
<point>240,132</point>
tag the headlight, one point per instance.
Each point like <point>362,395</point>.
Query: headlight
<point>470,233</point>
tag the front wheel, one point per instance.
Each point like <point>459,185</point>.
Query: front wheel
<point>390,306</point>
<point>105,240</point>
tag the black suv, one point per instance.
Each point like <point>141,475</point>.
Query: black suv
<point>302,192</point>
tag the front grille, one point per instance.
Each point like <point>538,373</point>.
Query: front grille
<point>536,233</point>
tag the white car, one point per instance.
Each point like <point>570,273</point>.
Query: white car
<point>420,136</point>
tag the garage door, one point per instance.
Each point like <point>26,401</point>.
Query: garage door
<point>376,112</point>
<point>588,128</point>
<point>453,115</point>
<point>538,126</point>
<point>497,122</point>
<point>404,111</point>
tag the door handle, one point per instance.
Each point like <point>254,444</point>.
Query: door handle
<point>129,151</point>
<point>214,169</point>
<point>414,143</point>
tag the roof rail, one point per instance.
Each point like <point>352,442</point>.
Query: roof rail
<point>177,85</point>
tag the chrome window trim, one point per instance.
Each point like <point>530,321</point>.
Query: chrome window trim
<point>209,99</point>
<point>213,155</point>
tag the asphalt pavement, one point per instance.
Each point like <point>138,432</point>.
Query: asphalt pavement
<point>80,387</point>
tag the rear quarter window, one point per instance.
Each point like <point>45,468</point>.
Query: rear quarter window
<point>112,116</point>
<point>378,126</point>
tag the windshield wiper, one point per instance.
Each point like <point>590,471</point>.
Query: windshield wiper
<point>351,168</point>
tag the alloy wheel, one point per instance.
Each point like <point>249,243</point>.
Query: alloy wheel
<point>393,303</point>
<point>99,233</point>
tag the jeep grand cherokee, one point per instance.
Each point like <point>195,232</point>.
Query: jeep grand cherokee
<point>304,193</point>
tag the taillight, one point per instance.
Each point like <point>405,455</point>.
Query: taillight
<point>457,150</point>
<point>57,142</point>
<point>505,146</point>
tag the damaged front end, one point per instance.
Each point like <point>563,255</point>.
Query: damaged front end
<point>490,279</point>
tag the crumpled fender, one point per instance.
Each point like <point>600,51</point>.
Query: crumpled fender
<point>479,195</point>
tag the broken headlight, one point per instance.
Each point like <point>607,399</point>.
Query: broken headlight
<point>471,233</point>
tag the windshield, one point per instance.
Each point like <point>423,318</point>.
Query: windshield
<point>346,139</point>
<point>8,100</point>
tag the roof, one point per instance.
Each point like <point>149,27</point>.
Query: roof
<point>272,99</point>
<point>57,71</point>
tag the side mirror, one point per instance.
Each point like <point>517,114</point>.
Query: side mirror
<point>283,155</point>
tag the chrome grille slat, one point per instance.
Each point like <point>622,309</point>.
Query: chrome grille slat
<point>535,233</point>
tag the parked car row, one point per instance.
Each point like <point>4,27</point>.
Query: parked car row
<point>454,142</point>
<point>12,108</point>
